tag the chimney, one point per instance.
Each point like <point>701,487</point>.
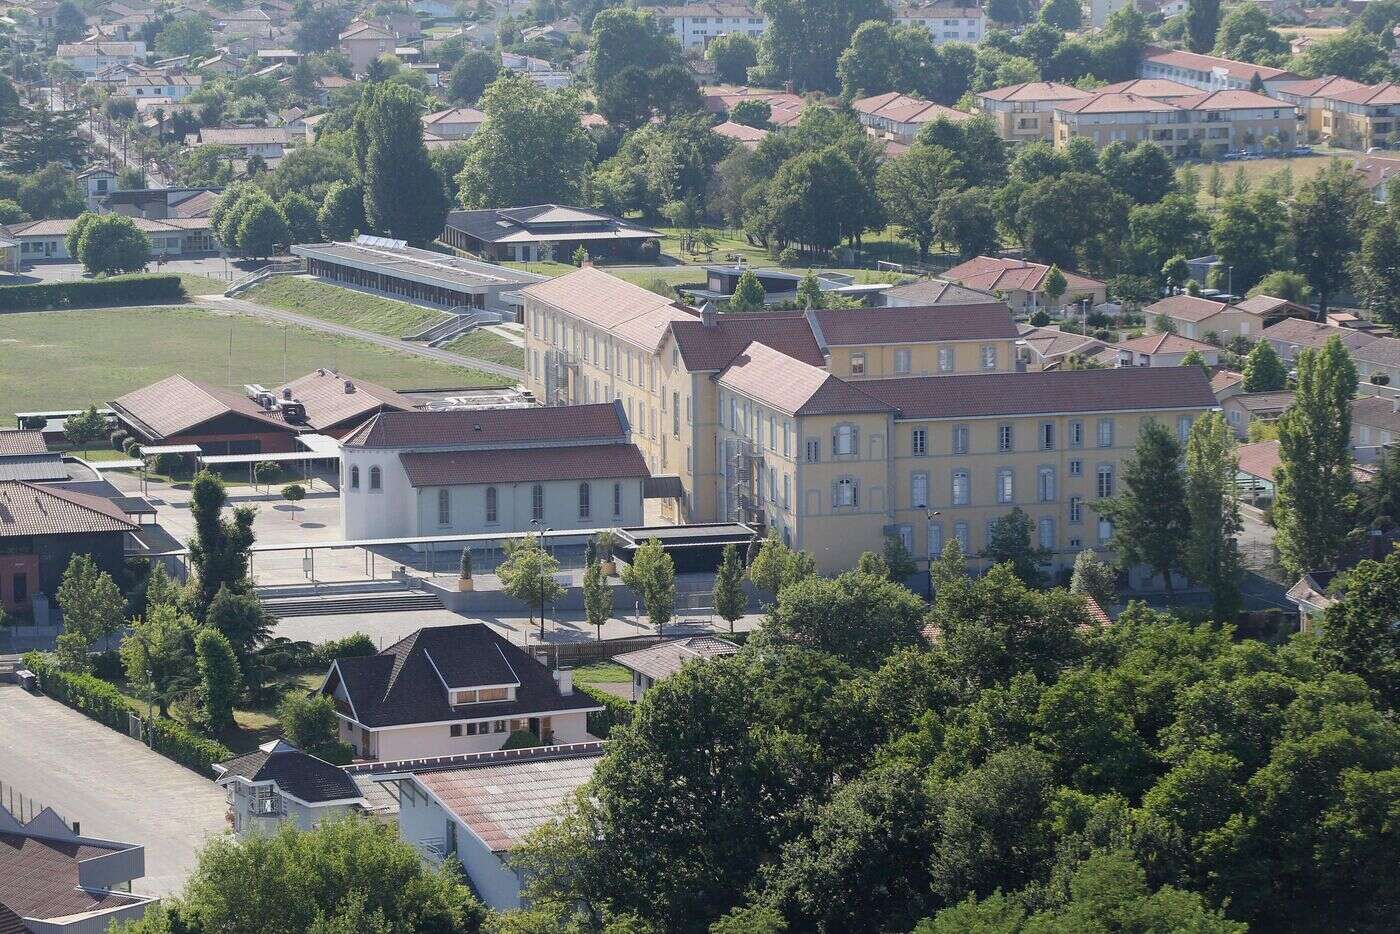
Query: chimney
<point>709,317</point>
<point>564,678</point>
<point>287,393</point>
<point>349,387</point>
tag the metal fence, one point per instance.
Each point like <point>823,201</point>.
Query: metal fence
<point>23,807</point>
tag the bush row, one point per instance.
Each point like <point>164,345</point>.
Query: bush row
<point>615,712</point>
<point>84,293</point>
<point>101,701</point>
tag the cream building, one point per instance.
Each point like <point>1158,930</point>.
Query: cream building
<point>1345,113</point>
<point>1024,113</point>
<point>1210,123</point>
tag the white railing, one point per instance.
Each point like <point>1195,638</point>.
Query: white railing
<point>288,267</point>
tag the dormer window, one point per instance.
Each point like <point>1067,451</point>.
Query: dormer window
<point>480,696</point>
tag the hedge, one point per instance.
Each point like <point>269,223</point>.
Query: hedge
<point>101,701</point>
<point>615,712</point>
<point>87,293</point>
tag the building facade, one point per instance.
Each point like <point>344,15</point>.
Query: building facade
<point>694,25</point>
<point>1205,124</point>
<point>1025,113</point>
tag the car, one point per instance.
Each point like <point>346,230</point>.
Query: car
<point>1253,156</point>
<point>1302,150</point>
<point>1229,156</point>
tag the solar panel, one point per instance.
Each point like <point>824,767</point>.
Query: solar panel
<point>385,243</point>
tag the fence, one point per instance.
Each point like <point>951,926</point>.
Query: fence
<point>23,807</point>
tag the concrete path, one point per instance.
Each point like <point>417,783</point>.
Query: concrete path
<point>243,306</point>
<point>112,785</point>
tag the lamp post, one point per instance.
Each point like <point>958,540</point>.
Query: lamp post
<point>536,524</point>
<point>930,515</point>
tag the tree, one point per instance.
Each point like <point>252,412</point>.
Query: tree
<point>1263,370</point>
<point>817,199</point>
<point>206,166</point>
<point>1150,517</point>
<point>1075,220</point>
<point>1054,285</point>
<point>1315,498</point>
<point>472,74</point>
<point>624,38</point>
<point>240,617</point>
<point>857,617</point>
<point>652,576</point>
<point>219,677</point>
<point>318,30</point>
<point>809,291</point>
<point>1352,54</point>
<point>531,149</point>
<point>776,566</point>
<point>300,213</point>
<point>1143,172</point>
<point>84,428</point>
<point>12,213</point>
<point>9,100</point>
<point>353,877</point>
<point>1329,216</point>
<point>1063,14</point>
<point>754,113</point>
<point>41,138</point>
<point>1284,284</point>
<point>219,550</point>
<point>1376,270</point>
<point>403,196</point>
<point>1244,35</point>
<point>1202,23</point>
<point>185,35</point>
<point>69,24</point>
<point>156,656</point>
<point>1093,578</point>
<point>309,171</point>
<point>1212,555</point>
<point>733,54</point>
<point>1009,541</point>
<point>966,220</point>
<point>1250,233</point>
<point>262,230</point>
<point>91,603</point>
<point>1359,635</point>
<point>311,725</point>
<point>527,574</point>
<point>1175,272</point>
<point>806,37</point>
<point>597,597</point>
<point>730,601</point>
<point>909,187</point>
<point>111,244</point>
<point>899,563</point>
<point>342,212</point>
<point>748,293</point>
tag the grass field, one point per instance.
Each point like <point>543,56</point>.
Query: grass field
<point>201,285</point>
<point>342,306</point>
<point>67,359</point>
<point>486,345</point>
<point>1304,168</point>
<point>602,673</point>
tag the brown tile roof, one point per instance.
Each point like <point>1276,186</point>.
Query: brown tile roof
<point>1165,342</point>
<point>177,403</point>
<point>1264,305</point>
<point>1232,99</point>
<point>1035,91</point>
<point>1260,459</point>
<point>995,273</point>
<point>1383,351</point>
<point>1224,379</point>
<point>524,465</point>
<point>39,879</point>
<point>455,115</point>
<point>628,311</point>
<point>909,325</point>
<point>1376,170</point>
<point>1125,389</point>
<point>794,387</point>
<point>1150,87</point>
<point>1325,87</point>
<point>1375,412</point>
<point>747,135</point>
<point>938,292</point>
<point>1115,104</point>
<point>602,421</point>
<point>901,108</point>
<point>666,658</point>
<point>328,404</point>
<point>706,349</point>
<point>1263,401</point>
<point>1049,343</point>
<point>1193,61</point>
<point>1306,333</point>
<point>22,441</point>
<point>1185,308</point>
<point>29,509</point>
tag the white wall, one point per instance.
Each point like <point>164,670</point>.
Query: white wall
<point>436,739</point>
<point>422,819</point>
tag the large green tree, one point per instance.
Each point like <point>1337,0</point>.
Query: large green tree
<point>1263,370</point>
<point>858,617</point>
<point>156,656</point>
<point>910,186</point>
<point>1376,269</point>
<point>1149,514</point>
<point>652,576</point>
<point>1009,540</point>
<point>41,137</point>
<point>111,244</point>
<point>1329,216</point>
<point>219,549</point>
<point>92,605</point>
<point>220,679</point>
<point>403,196</point>
<point>804,38</point>
<point>1212,553</point>
<point>472,74</point>
<point>624,38</point>
<point>1202,23</point>
<point>732,54</point>
<point>1251,234</point>
<point>1359,635</point>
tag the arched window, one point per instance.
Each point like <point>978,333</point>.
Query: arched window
<point>585,497</point>
<point>491,514</point>
<point>355,477</point>
<point>376,479</point>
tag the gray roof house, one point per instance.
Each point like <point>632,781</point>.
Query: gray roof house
<point>280,783</point>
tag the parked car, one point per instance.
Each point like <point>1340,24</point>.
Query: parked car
<point>1302,150</point>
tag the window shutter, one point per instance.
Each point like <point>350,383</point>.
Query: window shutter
<point>835,495</point>
<point>855,493</point>
<point>855,440</point>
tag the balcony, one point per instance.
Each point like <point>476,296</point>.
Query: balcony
<point>433,849</point>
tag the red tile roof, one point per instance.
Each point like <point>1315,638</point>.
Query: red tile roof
<point>1164,343</point>
<point>22,441</point>
<point>792,386</point>
<point>1193,61</point>
<point>1150,87</point>
<point>29,509</point>
<point>1185,308</point>
<point>524,465</point>
<point>995,273</point>
<point>909,325</point>
<point>1035,91</point>
<point>1115,104</point>
<point>901,108</point>
<point>714,348</point>
<point>601,421</point>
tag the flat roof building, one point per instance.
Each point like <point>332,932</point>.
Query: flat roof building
<point>553,230</point>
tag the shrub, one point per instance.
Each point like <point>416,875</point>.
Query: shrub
<point>355,645</point>
<point>522,739</point>
<point>1040,319</point>
<point>172,465</point>
<point>83,293</point>
<point>615,712</point>
<point>789,256</point>
<point>132,447</point>
<point>35,423</point>
<point>1380,379</point>
<point>648,251</point>
<point>464,570</point>
<point>118,439</point>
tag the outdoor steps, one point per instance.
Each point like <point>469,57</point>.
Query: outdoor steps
<point>383,602</point>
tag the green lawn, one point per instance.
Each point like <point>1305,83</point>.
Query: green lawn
<point>1304,168</point>
<point>67,359</point>
<point>343,306</point>
<point>486,345</point>
<point>877,245</point>
<point>201,285</point>
<point>602,673</point>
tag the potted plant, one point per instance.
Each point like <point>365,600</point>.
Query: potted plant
<point>605,542</point>
<point>464,574</point>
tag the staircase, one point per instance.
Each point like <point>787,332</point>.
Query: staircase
<point>288,267</point>
<point>389,601</point>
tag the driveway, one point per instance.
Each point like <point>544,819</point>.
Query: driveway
<point>115,787</point>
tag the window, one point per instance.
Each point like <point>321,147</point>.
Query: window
<point>455,729</point>
<point>989,356</point>
<point>1105,432</point>
<point>843,440</point>
<point>355,477</point>
<point>1006,485</point>
<point>962,488</point>
<point>444,507</point>
<point>901,361</point>
<point>935,539</point>
<point>844,492</point>
<point>858,364</point>
<point>1105,531</point>
<point>1076,509</point>
<point>617,499</point>
<point>1045,484</point>
<point>945,359</point>
<point>962,532</point>
<point>814,451</point>
<point>1005,438</point>
<point>491,513</point>
<point>1076,468</point>
<point>537,502</point>
<point>960,439</point>
<point>676,414</point>
<point>918,442</point>
<point>1105,481</point>
<point>1076,434</point>
<point>376,479</point>
<point>1046,528</point>
<point>772,432</point>
<point>1183,427</point>
<point>585,496</point>
<point>1047,436</point>
<point>787,490</point>
<point>918,491</point>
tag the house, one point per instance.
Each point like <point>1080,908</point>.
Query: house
<point>786,107</point>
<point>222,64</point>
<point>1375,426</point>
<point>1021,283</point>
<point>1245,408</point>
<point>160,203</point>
<point>695,24</point>
<point>1376,173</point>
<point>537,70</point>
<point>1378,362</point>
<point>1211,123</point>
<point>1051,348</point>
<point>900,117</point>
<point>1217,321</point>
<point>1226,383</point>
<point>250,23</point>
<point>924,292</point>
<point>1311,598</point>
<point>54,880</point>
<point>438,473</point>
<point>944,22</point>
<point>457,123</point>
<point>96,182</point>
<point>1292,335</point>
<point>279,784</point>
<point>362,42</point>
<point>268,142</point>
<point>747,136</point>
<point>1025,112</point>
<point>659,662</point>
<point>170,87</point>
<point>46,241</point>
<point>1163,349</point>
<point>42,528</point>
<point>449,690</point>
<point>180,411</point>
<point>480,809</point>
<point>90,57</point>
<point>1345,113</point>
<point>543,231</point>
<point>1209,72</point>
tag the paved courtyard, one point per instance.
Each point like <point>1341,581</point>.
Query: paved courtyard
<point>115,787</point>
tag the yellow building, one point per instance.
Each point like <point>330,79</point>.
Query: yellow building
<point>1024,113</point>
<point>1345,113</point>
<point>1199,124</point>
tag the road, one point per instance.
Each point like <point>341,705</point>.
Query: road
<point>115,787</point>
<point>153,178</point>
<point>242,305</point>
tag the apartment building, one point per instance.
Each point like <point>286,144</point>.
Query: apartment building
<point>1345,113</point>
<point>900,117</point>
<point>1209,72</point>
<point>590,337</point>
<point>1211,123</point>
<point>1024,113</point>
<point>945,22</point>
<point>695,24</point>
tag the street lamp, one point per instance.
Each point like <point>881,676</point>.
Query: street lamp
<point>536,523</point>
<point>930,515</point>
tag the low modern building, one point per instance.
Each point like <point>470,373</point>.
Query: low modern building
<point>160,203</point>
<point>1164,349</point>
<point>280,784</point>
<point>393,268</point>
<point>1293,335</point>
<point>1209,72</point>
<point>944,21</point>
<point>171,238</point>
<point>1197,318</point>
<point>413,474</point>
<point>1245,408</point>
<point>54,880</point>
<point>659,662</point>
<point>449,690</point>
<point>543,231</point>
<point>25,455</point>
<point>900,117</point>
<point>1025,113</point>
<point>1021,283</point>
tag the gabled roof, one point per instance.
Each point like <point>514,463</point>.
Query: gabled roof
<point>1383,351</point>
<point>1307,333</point>
<point>1264,305</point>
<point>794,387</point>
<point>404,683</point>
<point>1232,99</point>
<point>666,658</point>
<point>1052,343</point>
<point>1194,61</point>
<point>1376,412</point>
<point>332,398</point>
<point>1115,104</point>
<point>742,133</point>
<point>1185,307</point>
<point>995,273</point>
<point>297,773</point>
<point>524,465</point>
<point>1031,91</point>
<point>628,311</point>
<point>901,108</point>
<point>22,441</point>
<point>1263,401</point>
<point>938,292</point>
<point>1328,86</point>
<point>39,879</point>
<point>712,348</point>
<point>454,115</point>
<point>177,403</point>
<point>29,509</point>
<point>1164,342</point>
<point>915,324</point>
<point>456,428</point>
<point>545,222</point>
<point>1150,87</point>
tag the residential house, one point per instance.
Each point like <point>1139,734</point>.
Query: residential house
<point>54,880</point>
<point>1226,383</point>
<point>747,136</point>
<point>160,203</point>
<point>279,784</point>
<point>96,183</point>
<point>924,292</point>
<point>695,24</point>
<point>250,23</point>
<point>449,690</point>
<point>1378,362</point>
<point>658,662</point>
<point>1051,348</point>
<point>1292,335</point>
<point>784,106</point>
<point>1217,321</point>
<point>1025,113</point>
<point>1376,173</point>
<point>537,70</point>
<point>1245,408</point>
<point>169,87</point>
<point>362,42</point>
<point>90,57</point>
<point>1209,72</point>
<point>543,231</point>
<point>900,117</point>
<point>944,22</point>
<point>1375,426</point>
<point>1021,283</point>
<point>46,241</point>
<point>1211,123</point>
<point>1310,595</point>
<point>222,64</point>
<point>1164,349</point>
<point>268,142</point>
<point>1345,113</point>
<point>454,124</point>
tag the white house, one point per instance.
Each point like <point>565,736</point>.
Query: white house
<point>945,22</point>
<point>452,690</point>
<point>659,662</point>
<point>96,183</point>
<point>170,87</point>
<point>89,58</point>
<point>409,474</point>
<point>281,784</point>
<point>695,24</point>
<point>270,142</point>
<point>41,241</point>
